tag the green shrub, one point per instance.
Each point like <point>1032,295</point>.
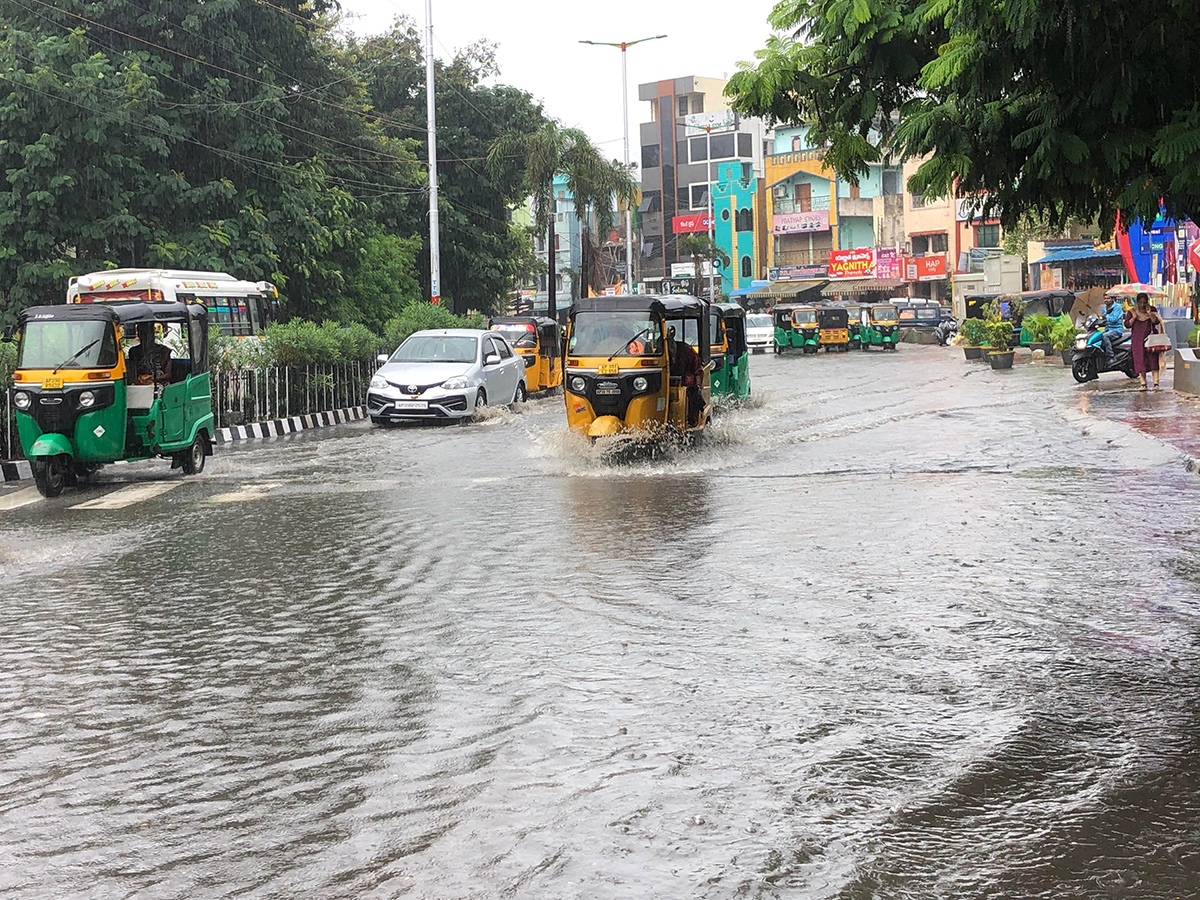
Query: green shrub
<point>301,343</point>
<point>1063,334</point>
<point>1193,338</point>
<point>974,332</point>
<point>356,342</point>
<point>1039,327</point>
<point>999,334</point>
<point>8,362</point>
<point>418,317</point>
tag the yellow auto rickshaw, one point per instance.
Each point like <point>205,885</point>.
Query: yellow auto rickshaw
<point>638,364</point>
<point>536,340</point>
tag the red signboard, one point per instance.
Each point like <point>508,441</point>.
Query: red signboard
<point>852,263</point>
<point>690,223</point>
<point>925,268</point>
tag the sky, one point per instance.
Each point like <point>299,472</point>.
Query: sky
<point>538,51</point>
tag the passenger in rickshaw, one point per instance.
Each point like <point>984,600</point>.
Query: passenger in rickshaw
<point>149,362</point>
<point>685,365</point>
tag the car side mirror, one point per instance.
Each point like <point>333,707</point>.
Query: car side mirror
<point>7,338</point>
<point>491,359</point>
<point>381,358</point>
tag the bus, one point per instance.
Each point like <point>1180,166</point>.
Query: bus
<point>238,308</point>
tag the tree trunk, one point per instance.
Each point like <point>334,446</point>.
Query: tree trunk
<point>551,297</point>
<point>585,268</point>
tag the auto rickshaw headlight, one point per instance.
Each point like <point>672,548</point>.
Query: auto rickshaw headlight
<point>87,400</point>
<point>640,383</point>
<point>22,400</point>
<point>578,385</point>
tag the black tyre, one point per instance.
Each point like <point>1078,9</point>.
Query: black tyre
<point>50,475</point>
<point>192,461</point>
<point>1129,373</point>
<point>480,403</point>
<point>1083,370</point>
<point>521,394</point>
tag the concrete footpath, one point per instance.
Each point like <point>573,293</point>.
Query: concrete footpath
<point>1163,414</point>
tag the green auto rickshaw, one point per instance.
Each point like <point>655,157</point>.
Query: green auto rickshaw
<point>854,323</point>
<point>783,326</point>
<point>883,326</point>
<point>82,402</point>
<point>730,353</point>
<point>806,330</point>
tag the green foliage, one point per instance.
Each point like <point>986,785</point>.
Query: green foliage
<point>1073,111</point>
<point>1193,338</point>
<point>1039,327</point>
<point>998,334</point>
<point>301,342</point>
<point>383,282</point>
<point>1063,334</point>
<point>974,332</point>
<point>418,317</point>
<point>8,362</point>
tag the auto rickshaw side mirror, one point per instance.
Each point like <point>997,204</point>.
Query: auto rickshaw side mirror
<point>7,338</point>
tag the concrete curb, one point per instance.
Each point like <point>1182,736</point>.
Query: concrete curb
<point>238,434</point>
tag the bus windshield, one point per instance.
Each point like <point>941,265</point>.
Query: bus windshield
<point>49,345</point>
<point>436,348</point>
<point>615,334</point>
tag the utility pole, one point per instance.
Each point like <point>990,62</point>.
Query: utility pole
<point>712,226</point>
<point>435,261</point>
<point>625,45</point>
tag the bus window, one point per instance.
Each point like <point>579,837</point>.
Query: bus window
<point>255,307</point>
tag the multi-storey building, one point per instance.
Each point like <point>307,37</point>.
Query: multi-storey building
<point>676,169</point>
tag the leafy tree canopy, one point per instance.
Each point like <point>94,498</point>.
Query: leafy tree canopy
<point>1068,110</point>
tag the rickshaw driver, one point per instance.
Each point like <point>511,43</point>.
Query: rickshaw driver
<point>149,361</point>
<point>685,365</point>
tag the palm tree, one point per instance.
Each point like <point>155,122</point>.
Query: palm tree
<point>593,182</point>
<point>699,246</point>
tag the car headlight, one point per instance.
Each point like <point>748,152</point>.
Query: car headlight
<point>87,399</point>
<point>455,384</point>
<point>640,383</point>
<point>578,385</point>
<point>21,400</point>
<point>378,382</point>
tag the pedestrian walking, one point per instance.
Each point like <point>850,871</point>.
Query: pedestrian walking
<point>1142,321</point>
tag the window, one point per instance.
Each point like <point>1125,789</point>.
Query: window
<point>797,144</point>
<point>987,236</point>
<point>724,215</point>
<point>698,103</point>
<point>855,192</point>
<point>651,202</point>
<point>803,197</point>
<point>939,243</point>
<point>556,242</point>
<point>683,105</point>
<point>745,220</point>
<point>562,195</point>
<point>698,150</point>
<point>747,267</point>
<point>699,196</point>
<point>744,146</point>
<point>722,146</point>
<point>747,172</point>
<point>650,157</point>
<point>558,282</point>
<point>681,150</point>
<point>918,200</point>
<point>503,349</point>
<point>683,198</point>
<point>541,243</point>
<point>891,182</point>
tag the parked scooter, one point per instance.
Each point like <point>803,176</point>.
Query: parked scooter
<point>946,330</point>
<point>1090,362</point>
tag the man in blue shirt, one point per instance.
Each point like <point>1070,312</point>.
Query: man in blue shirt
<point>1114,325</point>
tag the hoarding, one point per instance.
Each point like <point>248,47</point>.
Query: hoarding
<point>690,223</point>
<point>887,263</point>
<point>701,123</point>
<point>858,263</point>
<point>797,273</point>
<point>801,222</point>
<point>925,268</point>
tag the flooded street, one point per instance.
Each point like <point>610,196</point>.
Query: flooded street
<point>902,628</point>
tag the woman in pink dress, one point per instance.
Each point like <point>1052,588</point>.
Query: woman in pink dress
<point>1142,321</point>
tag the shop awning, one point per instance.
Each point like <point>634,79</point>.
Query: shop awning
<point>786,288</point>
<point>847,286</point>
<point>1056,256</point>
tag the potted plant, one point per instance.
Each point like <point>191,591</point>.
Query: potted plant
<point>1062,338</point>
<point>1039,328</point>
<point>999,335</point>
<point>974,334</point>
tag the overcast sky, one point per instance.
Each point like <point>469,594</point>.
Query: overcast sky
<point>538,49</point>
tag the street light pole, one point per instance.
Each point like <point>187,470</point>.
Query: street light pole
<point>435,262</point>
<point>625,45</point>
<point>712,227</point>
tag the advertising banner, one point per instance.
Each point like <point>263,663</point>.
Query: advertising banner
<point>925,268</point>
<point>701,123</point>
<point>690,223</point>
<point>801,222</point>
<point>887,263</point>
<point>797,273</point>
<point>852,263</point>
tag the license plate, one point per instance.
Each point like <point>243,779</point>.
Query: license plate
<point>52,383</point>
<point>412,404</point>
<point>607,387</point>
<point>608,368</point>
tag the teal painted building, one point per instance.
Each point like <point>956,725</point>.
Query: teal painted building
<point>739,229</point>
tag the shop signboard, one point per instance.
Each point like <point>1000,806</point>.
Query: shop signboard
<point>969,209</point>
<point>691,223</point>
<point>797,273</point>
<point>678,286</point>
<point>858,263</point>
<point>701,123</point>
<point>887,263</point>
<point>1052,279</point>
<point>801,222</point>
<point>925,268</point>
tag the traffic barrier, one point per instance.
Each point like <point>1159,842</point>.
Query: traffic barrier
<point>1187,371</point>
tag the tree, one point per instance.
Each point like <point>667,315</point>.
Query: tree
<point>699,246</point>
<point>1068,110</point>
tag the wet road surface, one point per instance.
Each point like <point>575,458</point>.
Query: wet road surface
<point>903,628</point>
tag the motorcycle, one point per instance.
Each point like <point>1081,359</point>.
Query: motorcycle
<point>1089,361</point>
<point>946,330</point>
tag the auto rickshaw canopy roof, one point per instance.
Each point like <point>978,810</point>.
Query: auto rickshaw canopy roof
<point>134,312</point>
<point>672,306</point>
<point>729,310</point>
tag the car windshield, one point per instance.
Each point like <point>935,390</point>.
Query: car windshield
<point>884,312</point>
<point>436,348</point>
<point>46,345</point>
<point>758,321</point>
<point>614,334</point>
<point>522,336</point>
<point>804,316</point>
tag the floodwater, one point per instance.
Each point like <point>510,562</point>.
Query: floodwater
<point>903,628</point>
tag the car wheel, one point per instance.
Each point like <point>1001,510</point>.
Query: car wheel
<point>521,395</point>
<point>480,403</point>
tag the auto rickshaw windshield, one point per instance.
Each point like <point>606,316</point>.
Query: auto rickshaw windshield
<point>52,344</point>
<point>887,313</point>
<point>804,316</point>
<point>520,336</point>
<point>615,334</point>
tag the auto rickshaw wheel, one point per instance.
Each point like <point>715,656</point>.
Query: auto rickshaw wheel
<point>193,458</point>
<point>50,475</point>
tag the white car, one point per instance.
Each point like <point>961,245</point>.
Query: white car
<point>760,332</point>
<point>446,374</point>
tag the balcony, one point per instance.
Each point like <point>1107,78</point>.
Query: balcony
<point>785,256</point>
<point>787,205</point>
<point>856,206</point>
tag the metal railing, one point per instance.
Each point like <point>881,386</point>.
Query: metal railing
<point>244,396</point>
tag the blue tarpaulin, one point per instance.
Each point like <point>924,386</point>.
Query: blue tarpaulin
<point>1068,255</point>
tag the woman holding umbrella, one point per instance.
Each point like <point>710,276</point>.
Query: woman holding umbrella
<point>1142,321</point>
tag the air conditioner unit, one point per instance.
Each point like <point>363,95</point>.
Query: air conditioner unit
<point>780,191</point>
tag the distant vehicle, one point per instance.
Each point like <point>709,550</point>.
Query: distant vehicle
<point>238,308</point>
<point>1089,361</point>
<point>536,341</point>
<point>446,374</point>
<point>729,352</point>
<point>834,325</point>
<point>760,332</point>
